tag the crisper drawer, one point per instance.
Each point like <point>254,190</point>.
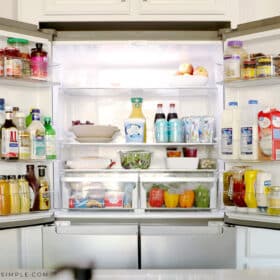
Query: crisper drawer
<point>180,247</point>
<point>100,245</point>
<point>180,192</point>
<point>99,191</point>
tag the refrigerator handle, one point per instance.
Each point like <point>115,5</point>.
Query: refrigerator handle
<point>95,229</point>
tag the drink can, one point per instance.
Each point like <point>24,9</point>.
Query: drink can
<point>161,131</point>
<point>175,131</point>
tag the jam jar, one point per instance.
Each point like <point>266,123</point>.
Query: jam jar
<point>239,186</point>
<point>264,66</point>
<point>248,70</point>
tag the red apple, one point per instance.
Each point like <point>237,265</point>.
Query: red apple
<point>186,68</point>
<point>200,70</point>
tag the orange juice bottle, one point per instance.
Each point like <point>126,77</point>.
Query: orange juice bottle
<point>4,196</point>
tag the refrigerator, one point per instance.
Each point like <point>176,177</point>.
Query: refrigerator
<point>94,70</point>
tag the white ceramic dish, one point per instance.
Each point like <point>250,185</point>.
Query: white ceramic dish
<point>189,80</point>
<point>181,162</point>
<point>91,130</point>
<point>93,139</point>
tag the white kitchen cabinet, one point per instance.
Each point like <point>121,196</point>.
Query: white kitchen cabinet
<point>257,247</point>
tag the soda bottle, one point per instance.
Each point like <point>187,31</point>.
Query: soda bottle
<point>9,137</point>
<point>161,126</point>
<point>172,112</point>
<point>50,139</point>
<point>175,126</point>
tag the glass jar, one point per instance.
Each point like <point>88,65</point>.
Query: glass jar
<point>1,62</point>
<point>233,59</point>
<point>264,66</point>
<point>239,186</point>
<point>248,70</point>
<point>12,60</point>
<point>273,200</point>
<point>276,65</point>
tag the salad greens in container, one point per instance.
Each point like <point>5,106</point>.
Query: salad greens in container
<point>135,159</point>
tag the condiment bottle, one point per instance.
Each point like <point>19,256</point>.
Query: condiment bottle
<point>9,148</point>
<point>34,187</point>
<point>239,187</point>
<point>4,196</point>
<point>37,136</point>
<point>44,190</point>
<point>24,194</point>
<point>23,136</point>
<point>250,196</point>
<point>160,126</point>
<point>39,62</point>
<point>50,139</point>
<point>14,195</point>
<point>135,125</point>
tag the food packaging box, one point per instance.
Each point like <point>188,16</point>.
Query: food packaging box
<point>182,162</point>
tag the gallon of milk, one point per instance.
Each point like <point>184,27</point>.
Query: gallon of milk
<point>249,131</point>
<point>230,132</point>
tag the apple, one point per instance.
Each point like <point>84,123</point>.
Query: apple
<point>200,70</point>
<point>186,68</point>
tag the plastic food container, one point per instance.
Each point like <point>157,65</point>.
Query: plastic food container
<point>135,159</point>
<point>274,201</point>
<point>182,162</point>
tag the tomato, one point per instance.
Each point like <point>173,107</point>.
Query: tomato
<point>171,199</point>
<point>186,200</point>
<point>156,197</point>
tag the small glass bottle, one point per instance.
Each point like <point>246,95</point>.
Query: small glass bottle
<point>135,125</point>
<point>4,196</point>
<point>160,126</point>
<point>9,141</point>
<point>37,136</point>
<point>172,112</point>
<point>14,194</point>
<point>24,193</point>
<point>23,136</point>
<point>44,190</point>
<point>50,139</point>
<point>39,62</point>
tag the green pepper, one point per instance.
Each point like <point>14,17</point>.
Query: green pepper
<point>202,197</point>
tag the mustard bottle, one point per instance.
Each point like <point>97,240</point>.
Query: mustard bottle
<point>250,179</point>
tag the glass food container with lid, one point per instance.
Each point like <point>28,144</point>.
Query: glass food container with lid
<point>274,200</point>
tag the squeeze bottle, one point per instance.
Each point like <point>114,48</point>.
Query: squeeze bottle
<point>249,131</point>
<point>250,196</point>
<point>230,136</point>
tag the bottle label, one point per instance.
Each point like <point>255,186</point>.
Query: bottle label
<point>264,122</point>
<point>134,130</point>
<point>50,146</point>
<point>44,199</point>
<point>232,66</point>
<point>246,141</point>
<point>10,142</point>
<point>226,143</point>
<point>24,145</point>
<point>38,145</point>
<point>161,131</point>
<point>175,129</point>
<point>32,197</point>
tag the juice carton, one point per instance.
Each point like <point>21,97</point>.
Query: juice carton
<point>275,134</point>
<point>265,134</point>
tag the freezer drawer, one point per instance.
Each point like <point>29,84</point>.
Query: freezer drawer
<point>104,246</point>
<point>179,247</point>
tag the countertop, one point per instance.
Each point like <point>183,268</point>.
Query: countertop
<point>213,274</point>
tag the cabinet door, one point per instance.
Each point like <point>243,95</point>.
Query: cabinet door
<point>104,246</point>
<point>187,247</point>
<point>192,7</point>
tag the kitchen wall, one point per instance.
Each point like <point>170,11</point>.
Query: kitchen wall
<point>249,10</point>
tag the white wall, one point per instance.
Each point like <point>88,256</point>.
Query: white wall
<point>8,9</point>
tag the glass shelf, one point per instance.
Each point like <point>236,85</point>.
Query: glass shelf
<point>268,81</point>
<point>27,82</point>
<point>150,170</point>
<point>163,92</point>
<point>114,144</point>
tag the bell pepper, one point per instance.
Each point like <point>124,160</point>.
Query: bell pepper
<point>186,200</point>
<point>171,199</point>
<point>202,197</point>
<point>156,197</point>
